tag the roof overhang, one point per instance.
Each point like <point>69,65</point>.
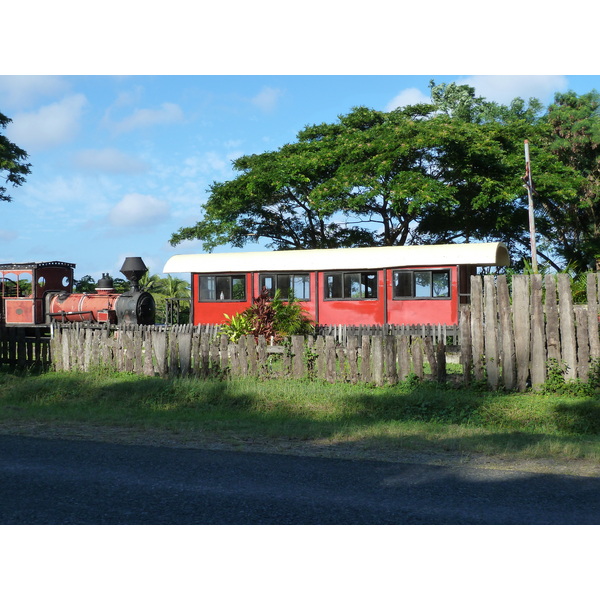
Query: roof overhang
<point>480,254</point>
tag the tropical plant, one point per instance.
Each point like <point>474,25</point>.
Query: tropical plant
<point>270,317</point>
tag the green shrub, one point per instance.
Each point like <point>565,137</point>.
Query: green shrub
<point>269,317</point>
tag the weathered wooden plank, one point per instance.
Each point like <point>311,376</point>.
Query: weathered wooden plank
<point>567,325</point>
<point>377,360</point>
<point>243,355</point>
<point>507,335</point>
<point>440,360</point>
<point>148,368</point>
<point>592,287</point>
<point>492,355</point>
<point>173,351</point>
<point>431,358</point>
<point>417,352</point>
<point>234,362</point>
<point>251,353</point>
<point>403,352</point>
<point>390,357</point>
<point>330,358</point>
<point>477,342</point>
<point>365,358</point>
<point>522,328</point>
<point>184,350</point>
<point>298,362</point>
<point>352,357</point>
<point>159,347</point>
<point>203,366</point>
<point>262,355</point>
<point>138,355</point>
<point>552,320</point>
<point>466,349</point>
<point>215,355</point>
<point>223,353</point>
<point>538,338</point>
<point>583,347</point>
<point>321,362</point>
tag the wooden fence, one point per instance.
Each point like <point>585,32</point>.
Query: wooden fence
<point>506,338</point>
<point>184,350</point>
<point>23,347</point>
<point>511,341</point>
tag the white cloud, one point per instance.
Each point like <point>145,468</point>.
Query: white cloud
<point>109,160</point>
<point>138,210</point>
<point>267,99</point>
<point>21,91</point>
<point>203,165</point>
<point>7,236</point>
<point>147,117</point>
<point>504,88</point>
<point>49,126</point>
<point>408,97</point>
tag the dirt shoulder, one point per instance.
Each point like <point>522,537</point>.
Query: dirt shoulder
<point>319,448</point>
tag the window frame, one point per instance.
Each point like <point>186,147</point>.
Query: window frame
<point>231,277</point>
<point>343,275</point>
<point>275,275</point>
<point>413,273</point>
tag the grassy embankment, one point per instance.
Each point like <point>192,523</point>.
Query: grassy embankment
<point>409,417</point>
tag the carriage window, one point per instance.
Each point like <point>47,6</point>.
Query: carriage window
<point>297,284</point>
<point>421,284</point>
<point>350,286</point>
<point>222,287</point>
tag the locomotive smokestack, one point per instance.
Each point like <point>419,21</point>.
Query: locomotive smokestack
<point>134,269</point>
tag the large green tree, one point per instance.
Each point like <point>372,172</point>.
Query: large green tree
<point>450,170</point>
<point>569,218</point>
<point>13,167</point>
<point>372,178</point>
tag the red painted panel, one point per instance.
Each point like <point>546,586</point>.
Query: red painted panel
<point>19,310</point>
<point>352,312</point>
<point>214,312</point>
<point>419,311</point>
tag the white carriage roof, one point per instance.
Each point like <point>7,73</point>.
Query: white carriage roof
<point>481,254</point>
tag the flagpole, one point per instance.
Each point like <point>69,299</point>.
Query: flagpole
<point>529,186</point>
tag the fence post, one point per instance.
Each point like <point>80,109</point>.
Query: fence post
<point>377,359</point>
<point>298,363</point>
<point>538,339</point>
<point>466,354</point>
<point>491,331</point>
<point>552,325</point>
<point>507,334</point>
<point>477,327</point>
<point>521,320</point>
<point>593,282</point>
<point>567,325</point>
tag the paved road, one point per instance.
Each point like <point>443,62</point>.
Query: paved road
<point>46,481</point>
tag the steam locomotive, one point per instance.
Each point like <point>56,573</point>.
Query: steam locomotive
<point>39,293</point>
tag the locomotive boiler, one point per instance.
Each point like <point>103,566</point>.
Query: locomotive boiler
<point>51,296</point>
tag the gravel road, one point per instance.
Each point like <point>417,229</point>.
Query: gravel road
<point>55,481</point>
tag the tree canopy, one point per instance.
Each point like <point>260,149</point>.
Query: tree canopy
<point>450,170</point>
<point>13,167</point>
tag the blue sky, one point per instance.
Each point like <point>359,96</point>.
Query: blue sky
<point>119,163</point>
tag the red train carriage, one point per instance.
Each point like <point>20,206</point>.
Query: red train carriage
<point>354,286</point>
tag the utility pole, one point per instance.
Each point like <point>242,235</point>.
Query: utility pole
<point>530,190</point>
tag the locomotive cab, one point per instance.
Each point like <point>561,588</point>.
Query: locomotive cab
<point>24,287</point>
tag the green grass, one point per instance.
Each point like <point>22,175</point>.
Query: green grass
<point>412,416</point>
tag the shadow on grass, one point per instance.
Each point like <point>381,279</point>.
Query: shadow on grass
<point>410,417</point>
